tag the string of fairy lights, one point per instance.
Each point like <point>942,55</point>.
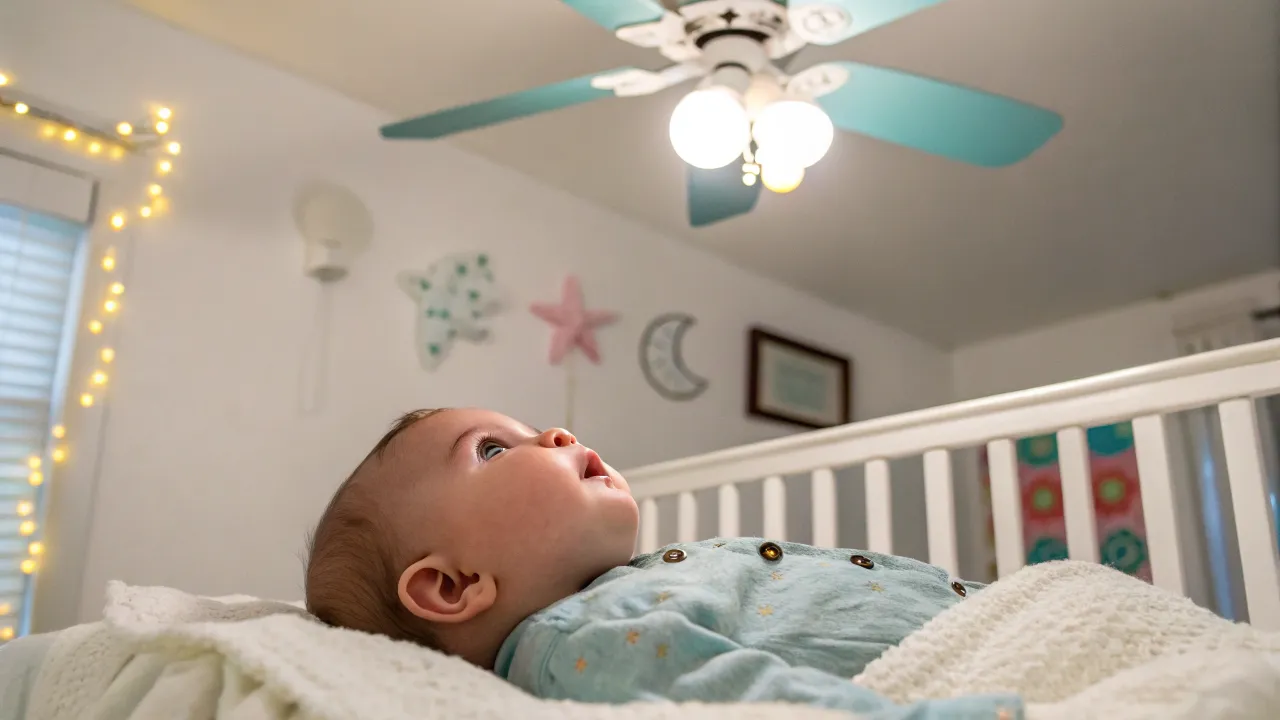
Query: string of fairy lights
<point>147,137</point>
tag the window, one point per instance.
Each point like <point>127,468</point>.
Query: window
<point>40,271</point>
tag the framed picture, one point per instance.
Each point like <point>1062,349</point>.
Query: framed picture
<point>797,383</point>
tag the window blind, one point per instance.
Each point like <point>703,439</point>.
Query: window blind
<point>39,271</point>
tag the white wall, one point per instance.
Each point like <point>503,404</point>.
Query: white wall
<point>209,473</point>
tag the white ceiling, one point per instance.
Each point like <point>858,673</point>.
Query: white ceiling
<point>1167,174</point>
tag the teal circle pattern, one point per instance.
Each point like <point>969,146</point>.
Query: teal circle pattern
<point>1038,451</point>
<point>1124,551</point>
<point>1046,549</point>
<point>1111,439</point>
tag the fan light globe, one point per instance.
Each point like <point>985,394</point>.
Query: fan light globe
<point>797,132</point>
<point>710,128</point>
<point>781,178</point>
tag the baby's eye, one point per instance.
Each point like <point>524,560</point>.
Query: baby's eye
<point>490,450</point>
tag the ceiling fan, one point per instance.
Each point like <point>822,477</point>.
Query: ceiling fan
<point>750,123</point>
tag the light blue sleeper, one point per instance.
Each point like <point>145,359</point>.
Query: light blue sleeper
<point>740,620</point>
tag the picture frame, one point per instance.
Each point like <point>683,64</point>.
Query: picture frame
<point>794,382</point>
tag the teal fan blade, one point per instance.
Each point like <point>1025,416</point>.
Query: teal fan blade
<point>719,194</point>
<point>491,112</point>
<point>937,117</point>
<point>863,15</point>
<point>614,14</point>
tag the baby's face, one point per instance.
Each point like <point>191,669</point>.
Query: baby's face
<point>537,509</point>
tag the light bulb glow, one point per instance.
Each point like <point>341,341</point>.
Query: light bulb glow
<point>174,148</point>
<point>59,454</point>
<point>164,167</point>
<point>28,566</point>
<point>709,128</point>
<point>796,133</point>
<point>48,131</point>
<point>27,527</point>
<point>154,190</point>
<point>117,288</point>
<point>95,326</point>
<point>6,633</point>
<point>25,508</point>
<point>59,431</point>
<point>162,127</point>
<point>36,548</point>
<point>107,355</point>
<point>21,108</point>
<point>86,400</point>
<point>95,148</point>
<point>781,179</point>
<point>5,608</point>
<point>164,113</point>
<point>4,79</point>
<point>70,135</point>
<point>35,479</point>
<point>117,221</point>
<point>124,129</point>
<point>108,262</point>
<point>111,306</point>
<point>117,152</point>
<point>34,462</point>
<point>144,211</point>
<point>748,179</point>
<point>99,378</point>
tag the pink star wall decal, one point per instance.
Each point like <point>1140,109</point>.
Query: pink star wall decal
<point>574,324</point>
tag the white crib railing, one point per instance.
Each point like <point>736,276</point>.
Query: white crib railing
<point>1229,379</point>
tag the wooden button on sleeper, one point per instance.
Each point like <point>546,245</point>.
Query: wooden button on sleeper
<point>673,556</point>
<point>770,551</point>
<point>959,588</point>
<point>862,561</point>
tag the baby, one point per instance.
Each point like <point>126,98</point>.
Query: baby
<point>472,533</point>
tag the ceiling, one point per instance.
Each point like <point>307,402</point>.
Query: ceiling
<point>1165,177</point>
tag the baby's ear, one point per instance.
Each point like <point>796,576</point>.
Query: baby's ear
<point>435,590</point>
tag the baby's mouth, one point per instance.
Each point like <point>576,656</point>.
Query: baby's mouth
<point>594,469</point>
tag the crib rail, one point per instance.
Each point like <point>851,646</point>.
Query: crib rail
<point>1228,379</point>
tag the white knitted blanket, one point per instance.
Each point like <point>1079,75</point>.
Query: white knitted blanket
<point>1076,640</point>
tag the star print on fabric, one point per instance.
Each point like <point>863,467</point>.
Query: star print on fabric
<point>719,545</point>
<point>662,650</point>
<point>574,324</point>
<point>580,665</point>
<point>765,610</point>
<point>662,596</point>
<point>876,587</point>
<point>776,575</point>
<point>633,636</point>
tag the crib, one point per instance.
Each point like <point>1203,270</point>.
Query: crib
<point>1230,379</point>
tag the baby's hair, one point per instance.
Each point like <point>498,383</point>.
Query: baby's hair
<point>352,576</point>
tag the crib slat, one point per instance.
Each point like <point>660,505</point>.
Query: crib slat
<point>1077,495</point>
<point>1151,444</point>
<point>1259,559</point>
<point>648,526</point>
<point>940,511</point>
<point>1006,506</point>
<point>775,508</point>
<point>687,518</point>
<point>822,485</point>
<point>879,507</point>
<point>729,511</point>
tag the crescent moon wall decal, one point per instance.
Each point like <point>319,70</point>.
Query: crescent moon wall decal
<point>662,358</point>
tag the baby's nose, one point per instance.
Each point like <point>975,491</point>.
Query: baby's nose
<point>557,437</point>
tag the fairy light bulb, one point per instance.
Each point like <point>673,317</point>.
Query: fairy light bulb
<point>34,462</point>
<point>70,135</point>
<point>108,262</point>
<point>27,527</point>
<point>98,378</point>
<point>86,400</point>
<point>117,221</point>
<point>59,454</point>
<point>28,566</point>
<point>25,508</point>
<point>144,211</point>
<point>21,108</point>
<point>117,288</point>
<point>35,479</point>
<point>117,152</point>
<point>162,127</point>
<point>59,431</point>
<point>95,326</point>
<point>164,167</point>
<point>107,355</point>
<point>174,148</point>
<point>4,79</point>
<point>155,190</point>
<point>95,147</point>
<point>6,633</point>
<point>164,113</point>
<point>5,608</point>
<point>111,306</point>
<point>36,548</point>
<point>124,129</point>
<point>48,131</point>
